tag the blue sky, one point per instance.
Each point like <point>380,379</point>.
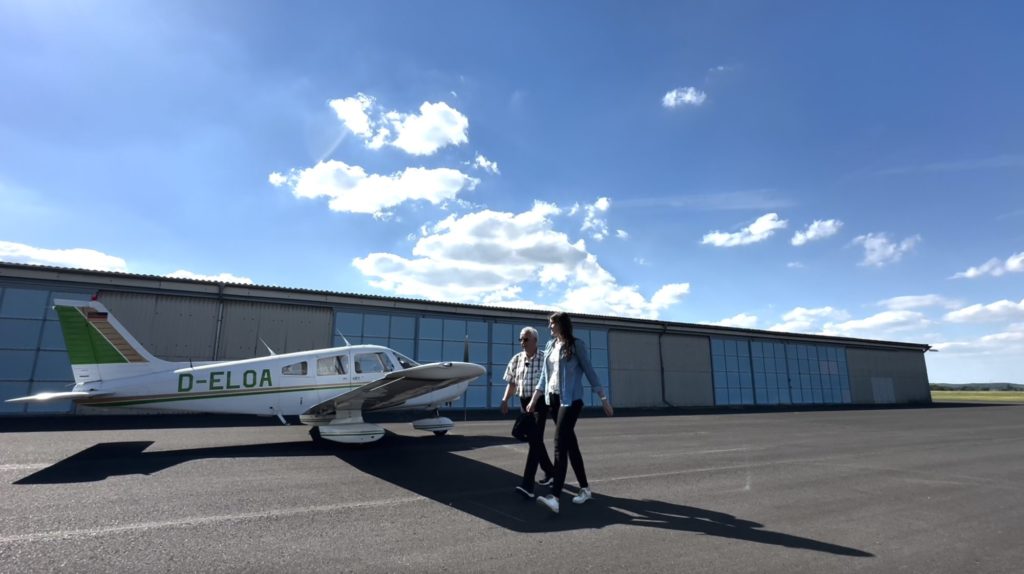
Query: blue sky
<point>823,167</point>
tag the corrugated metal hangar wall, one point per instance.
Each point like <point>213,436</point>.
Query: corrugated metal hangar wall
<point>646,364</point>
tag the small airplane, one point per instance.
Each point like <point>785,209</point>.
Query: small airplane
<point>328,389</point>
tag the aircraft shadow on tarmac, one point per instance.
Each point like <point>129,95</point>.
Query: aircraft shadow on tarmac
<point>433,468</point>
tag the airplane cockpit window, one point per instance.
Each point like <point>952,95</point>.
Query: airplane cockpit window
<point>389,365</point>
<point>369,363</point>
<point>294,369</point>
<point>328,366</point>
<point>406,362</point>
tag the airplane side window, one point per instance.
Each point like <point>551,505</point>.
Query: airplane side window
<point>368,363</point>
<point>328,366</point>
<point>389,365</point>
<point>294,369</point>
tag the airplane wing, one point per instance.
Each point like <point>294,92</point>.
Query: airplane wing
<point>397,387</point>
<point>43,397</point>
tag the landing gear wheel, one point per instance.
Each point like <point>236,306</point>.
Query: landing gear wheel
<point>314,433</point>
<point>440,432</point>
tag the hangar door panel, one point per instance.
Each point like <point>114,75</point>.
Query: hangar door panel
<point>285,328</point>
<point>171,327</point>
<point>635,368</point>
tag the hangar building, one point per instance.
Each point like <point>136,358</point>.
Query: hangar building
<point>644,363</point>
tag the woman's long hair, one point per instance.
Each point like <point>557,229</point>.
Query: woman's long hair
<point>565,330</point>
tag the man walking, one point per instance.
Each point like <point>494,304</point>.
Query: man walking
<point>522,374</point>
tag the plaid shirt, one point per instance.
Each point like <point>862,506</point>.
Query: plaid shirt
<point>525,373</point>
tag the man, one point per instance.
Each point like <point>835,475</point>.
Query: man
<point>522,374</point>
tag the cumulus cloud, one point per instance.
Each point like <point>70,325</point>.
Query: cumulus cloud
<point>878,324</point>
<point>918,301</point>
<point>1003,310</point>
<point>78,257</point>
<point>879,251</point>
<point>805,320</point>
<point>593,219</point>
<point>1009,342</point>
<point>621,234</point>
<point>761,229</point>
<point>742,321</point>
<point>481,162</point>
<point>219,278</point>
<point>435,126</point>
<point>817,230</point>
<point>994,267</point>
<point>350,189</point>
<point>487,257</point>
<point>683,96</point>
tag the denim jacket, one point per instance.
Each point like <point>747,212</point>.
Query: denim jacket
<point>570,374</point>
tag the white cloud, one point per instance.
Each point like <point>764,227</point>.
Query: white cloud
<point>918,301</point>
<point>742,321</point>
<point>621,234</point>
<point>879,251</point>
<point>795,265</point>
<point>994,267</point>
<point>817,230</point>
<point>77,257</point>
<point>354,113</point>
<point>593,220</point>
<point>804,320</point>
<point>351,189</point>
<point>487,257</point>
<point>680,96</point>
<point>1003,310</point>
<point>435,126</point>
<point>878,324</point>
<point>220,278</point>
<point>1008,343</point>
<point>759,230</point>
<point>485,164</point>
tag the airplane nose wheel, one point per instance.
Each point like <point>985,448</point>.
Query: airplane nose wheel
<point>440,432</point>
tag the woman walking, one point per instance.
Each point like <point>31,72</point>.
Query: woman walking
<point>561,386</point>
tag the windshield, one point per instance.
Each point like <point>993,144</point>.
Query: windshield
<point>406,362</point>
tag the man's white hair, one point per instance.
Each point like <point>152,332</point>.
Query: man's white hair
<point>531,331</point>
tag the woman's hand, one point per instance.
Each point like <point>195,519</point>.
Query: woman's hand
<point>607,406</point>
<point>533,405</point>
<point>504,406</point>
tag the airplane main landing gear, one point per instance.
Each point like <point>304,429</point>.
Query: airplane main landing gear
<point>436,424</point>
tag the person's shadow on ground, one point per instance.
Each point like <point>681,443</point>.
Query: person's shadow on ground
<point>433,467</point>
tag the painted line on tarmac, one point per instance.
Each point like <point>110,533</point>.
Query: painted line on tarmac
<point>201,520</point>
<point>26,466</point>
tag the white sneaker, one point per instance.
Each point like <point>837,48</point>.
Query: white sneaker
<point>549,501</point>
<point>583,496</point>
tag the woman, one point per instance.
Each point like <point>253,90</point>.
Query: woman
<point>561,386</point>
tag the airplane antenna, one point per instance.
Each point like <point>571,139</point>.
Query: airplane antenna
<point>271,351</point>
<point>338,332</point>
<point>465,351</point>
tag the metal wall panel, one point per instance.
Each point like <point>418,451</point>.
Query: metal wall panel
<point>906,369</point>
<point>635,369</point>
<point>688,379</point>
<point>170,327</point>
<point>285,328</point>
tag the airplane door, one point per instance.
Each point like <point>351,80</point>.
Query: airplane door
<point>333,376</point>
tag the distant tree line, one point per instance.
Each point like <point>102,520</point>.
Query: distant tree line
<point>977,387</point>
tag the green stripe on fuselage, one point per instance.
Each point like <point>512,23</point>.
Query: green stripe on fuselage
<point>86,345</point>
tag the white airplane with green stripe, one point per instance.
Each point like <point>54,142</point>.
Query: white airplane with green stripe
<point>329,389</point>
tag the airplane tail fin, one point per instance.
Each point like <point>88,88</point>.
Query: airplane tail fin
<point>99,346</point>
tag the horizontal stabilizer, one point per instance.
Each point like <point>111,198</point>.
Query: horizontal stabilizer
<point>43,397</point>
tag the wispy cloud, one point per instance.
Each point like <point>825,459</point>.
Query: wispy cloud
<point>918,301</point>
<point>77,257</point>
<point>761,229</point>
<point>994,267</point>
<point>219,278</point>
<point>879,251</point>
<point>806,320</point>
<point>688,96</point>
<point>350,189</point>
<point>741,321</point>
<point>481,162</point>
<point>878,325</point>
<point>594,221</point>
<point>995,162</point>
<point>753,200</point>
<point>820,229</point>
<point>1009,342</point>
<point>436,124</point>
<point>1002,310</point>
<point>488,257</point>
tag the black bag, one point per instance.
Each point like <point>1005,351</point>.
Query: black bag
<point>525,427</point>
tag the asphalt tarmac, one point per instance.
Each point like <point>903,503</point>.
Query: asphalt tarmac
<point>911,490</point>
